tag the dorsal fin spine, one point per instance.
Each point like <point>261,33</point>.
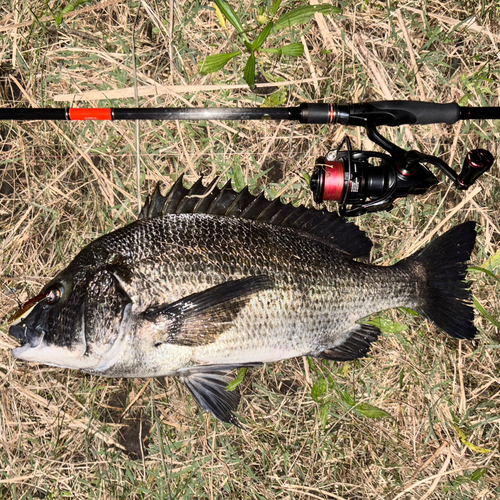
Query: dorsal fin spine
<point>227,202</point>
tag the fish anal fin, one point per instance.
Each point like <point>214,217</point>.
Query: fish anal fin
<point>200,318</point>
<point>356,345</point>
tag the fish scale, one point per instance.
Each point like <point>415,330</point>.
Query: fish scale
<point>196,295</point>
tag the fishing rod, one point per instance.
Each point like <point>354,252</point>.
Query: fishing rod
<point>360,181</point>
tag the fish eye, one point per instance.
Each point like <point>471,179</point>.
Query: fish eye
<point>54,295</point>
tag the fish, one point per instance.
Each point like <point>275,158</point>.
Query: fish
<point>208,280</point>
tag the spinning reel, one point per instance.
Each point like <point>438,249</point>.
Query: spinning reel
<point>352,179</point>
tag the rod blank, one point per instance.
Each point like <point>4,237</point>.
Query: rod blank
<point>392,113</point>
<point>183,114</point>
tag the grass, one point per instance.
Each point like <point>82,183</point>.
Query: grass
<point>67,435</point>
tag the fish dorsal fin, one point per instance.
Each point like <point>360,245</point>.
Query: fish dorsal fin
<point>227,202</point>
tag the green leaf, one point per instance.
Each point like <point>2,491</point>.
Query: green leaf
<point>276,99</point>
<point>231,16</point>
<point>302,15</point>
<point>478,474</point>
<point>274,8</point>
<point>364,409</point>
<point>460,480</point>
<point>214,63</point>
<point>238,380</point>
<point>310,362</point>
<point>485,313</point>
<point>388,326</point>
<point>464,100</point>
<point>323,415</point>
<point>293,49</point>
<point>272,51</point>
<point>484,271</point>
<point>237,174</point>
<point>318,389</point>
<point>347,398</point>
<point>262,37</point>
<point>371,411</point>
<point>73,5</point>
<point>493,261</point>
<point>409,311</point>
<point>271,77</point>
<point>249,74</point>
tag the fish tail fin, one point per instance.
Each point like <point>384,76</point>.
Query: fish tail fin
<point>446,299</point>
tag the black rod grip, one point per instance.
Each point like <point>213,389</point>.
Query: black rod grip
<point>417,112</point>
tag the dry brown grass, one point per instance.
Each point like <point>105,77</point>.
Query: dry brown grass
<point>66,434</point>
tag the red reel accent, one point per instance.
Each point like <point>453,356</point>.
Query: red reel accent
<point>334,181</point>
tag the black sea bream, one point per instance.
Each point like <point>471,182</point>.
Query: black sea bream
<point>209,280</point>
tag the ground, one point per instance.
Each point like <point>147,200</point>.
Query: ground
<point>417,418</point>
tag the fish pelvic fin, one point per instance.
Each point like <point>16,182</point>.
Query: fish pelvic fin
<point>227,202</point>
<point>446,298</point>
<point>357,344</point>
<point>208,386</point>
<point>200,318</point>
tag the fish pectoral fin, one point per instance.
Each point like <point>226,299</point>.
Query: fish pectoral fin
<point>200,318</point>
<point>357,344</point>
<point>208,386</point>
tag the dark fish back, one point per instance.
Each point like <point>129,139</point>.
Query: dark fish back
<point>227,202</point>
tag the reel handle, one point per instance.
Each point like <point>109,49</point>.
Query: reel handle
<point>476,163</point>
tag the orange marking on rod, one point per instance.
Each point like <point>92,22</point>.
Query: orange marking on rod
<point>90,114</point>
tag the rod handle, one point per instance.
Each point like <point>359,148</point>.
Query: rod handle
<point>416,112</point>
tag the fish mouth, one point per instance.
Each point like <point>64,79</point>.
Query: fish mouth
<point>21,325</point>
<point>33,337</point>
<point>18,352</point>
<point>37,350</point>
<point>27,337</point>
<point>77,356</point>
